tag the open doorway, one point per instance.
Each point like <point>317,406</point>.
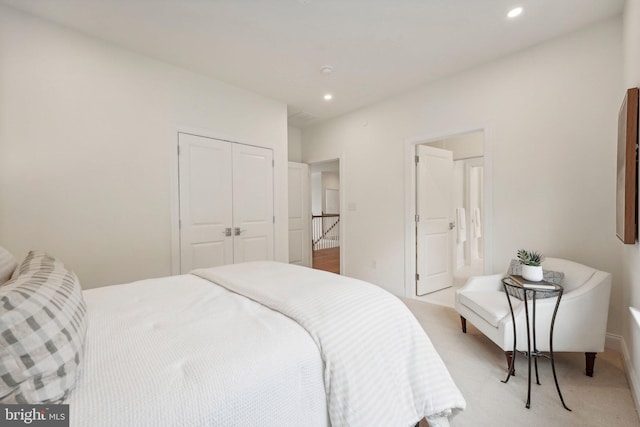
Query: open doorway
<point>325,215</point>
<point>449,215</point>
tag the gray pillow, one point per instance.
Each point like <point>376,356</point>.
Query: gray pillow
<point>42,331</point>
<point>555,277</point>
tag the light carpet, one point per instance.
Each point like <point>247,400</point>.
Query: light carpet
<point>478,366</point>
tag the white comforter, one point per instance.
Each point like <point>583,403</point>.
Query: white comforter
<point>380,367</point>
<point>179,351</point>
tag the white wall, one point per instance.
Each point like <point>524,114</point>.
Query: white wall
<point>549,115</point>
<point>294,136</point>
<point>330,180</point>
<point>87,137</point>
<point>630,280</point>
<point>316,193</point>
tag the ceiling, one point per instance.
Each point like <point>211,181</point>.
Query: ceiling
<point>377,48</point>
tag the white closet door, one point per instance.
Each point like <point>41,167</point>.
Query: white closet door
<point>205,202</point>
<point>299,215</point>
<point>252,203</point>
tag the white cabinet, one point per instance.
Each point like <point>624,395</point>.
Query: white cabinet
<point>226,202</point>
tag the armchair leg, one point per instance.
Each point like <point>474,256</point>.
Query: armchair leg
<point>463,321</point>
<point>590,359</point>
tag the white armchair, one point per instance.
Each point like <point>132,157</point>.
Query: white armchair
<point>580,324</point>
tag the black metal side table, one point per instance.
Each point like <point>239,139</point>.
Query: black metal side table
<point>525,294</point>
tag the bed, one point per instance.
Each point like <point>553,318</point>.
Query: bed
<point>262,343</point>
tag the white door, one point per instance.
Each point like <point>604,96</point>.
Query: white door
<point>299,215</point>
<point>434,184</point>
<point>205,202</point>
<point>253,219</point>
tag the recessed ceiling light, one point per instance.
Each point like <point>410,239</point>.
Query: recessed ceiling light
<point>328,97</point>
<point>516,11</point>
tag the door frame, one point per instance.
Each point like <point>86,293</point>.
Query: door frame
<point>410,200</point>
<point>174,176</point>
<point>306,188</point>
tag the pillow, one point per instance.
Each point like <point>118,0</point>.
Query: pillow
<point>7,265</point>
<point>42,330</point>
<point>555,277</point>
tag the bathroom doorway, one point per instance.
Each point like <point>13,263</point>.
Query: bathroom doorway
<point>455,250</point>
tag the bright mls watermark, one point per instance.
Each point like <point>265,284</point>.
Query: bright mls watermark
<point>34,415</point>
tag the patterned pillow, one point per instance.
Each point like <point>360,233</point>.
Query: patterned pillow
<point>42,331</point>
<point>555,277</point>
<point>7,265</point>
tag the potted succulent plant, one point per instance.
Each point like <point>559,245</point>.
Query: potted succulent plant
<point>531,268</point>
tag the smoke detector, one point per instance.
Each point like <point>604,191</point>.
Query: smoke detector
<point>327,69</point>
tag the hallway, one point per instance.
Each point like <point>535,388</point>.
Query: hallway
<point>327,260</point>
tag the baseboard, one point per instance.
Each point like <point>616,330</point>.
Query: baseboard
<point>614,342</point>
<point>617,343</point>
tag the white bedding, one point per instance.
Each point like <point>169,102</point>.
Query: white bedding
<point>183,351</point>
<point>380,367</point>
<point>179,351</point>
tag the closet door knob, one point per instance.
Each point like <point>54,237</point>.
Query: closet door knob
<point>227,232</point>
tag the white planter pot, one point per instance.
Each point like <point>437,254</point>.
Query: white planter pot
<point>533,273</point>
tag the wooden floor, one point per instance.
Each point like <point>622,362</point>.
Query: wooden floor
<point>327,260</point>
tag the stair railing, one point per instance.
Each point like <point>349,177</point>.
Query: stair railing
<point>326,231</point>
